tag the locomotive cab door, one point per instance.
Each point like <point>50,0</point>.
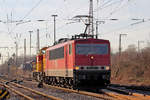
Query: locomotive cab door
<point>66,62</point>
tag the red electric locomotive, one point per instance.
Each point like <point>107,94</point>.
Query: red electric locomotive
<point>81,61</point>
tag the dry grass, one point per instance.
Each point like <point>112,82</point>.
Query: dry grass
<point>131,67</point>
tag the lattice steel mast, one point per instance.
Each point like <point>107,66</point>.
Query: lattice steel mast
<point>91,26</point>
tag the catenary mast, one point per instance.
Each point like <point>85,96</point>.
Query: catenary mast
<point>91,27</point>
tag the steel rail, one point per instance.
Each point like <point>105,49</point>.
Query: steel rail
<point>37,92</point>
<point>32,90</point>
<point>119,90</point>
<point>17,92</point>
<point>81,92</point>
<point>77,91</point>
<point>133,87</point>
<point>131,96</point>
<point>124,97</point>
<point>141,96</point>
<point>128,96</point>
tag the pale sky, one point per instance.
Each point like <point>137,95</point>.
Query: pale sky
<point>123,10</point>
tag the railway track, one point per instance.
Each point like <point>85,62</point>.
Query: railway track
<point>133,96</point>
<point>91,94</point>
<point>82,92</point>
<point>133,87</point>
<point>26,92</point>
<point>125,94</point>
<point>114,93</point>
<point>120,94</point>
<point>68,91</point>
<point>110,93</point>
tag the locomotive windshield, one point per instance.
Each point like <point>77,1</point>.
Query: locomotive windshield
<point>85,49</point>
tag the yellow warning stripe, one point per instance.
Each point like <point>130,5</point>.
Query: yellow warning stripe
<point>4,94</point>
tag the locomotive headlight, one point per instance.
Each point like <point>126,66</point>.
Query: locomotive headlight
<point>92,57</point>
<point>77,68</point>
<point>107,67</point>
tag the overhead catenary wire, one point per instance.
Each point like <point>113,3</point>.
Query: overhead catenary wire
<point>36,5</point>
<point>123,27</point>
<point>106,2</point>
<point>107,5</point>
<point>9,22</point>
<point>102,5</point>
<point>28,13</point>
<point>4,9</point>
<point>112,3</point>
<point>71,12</point>
<point>114,11</point>
<point>59,28</point>
<point>42,37</point>
<point>118,8</point>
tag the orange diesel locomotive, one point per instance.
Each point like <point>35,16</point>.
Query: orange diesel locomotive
<point>81,61</point>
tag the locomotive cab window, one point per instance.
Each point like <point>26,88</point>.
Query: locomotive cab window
<point>70,48</point>
<point>56,53</point>
<point>85,49</point>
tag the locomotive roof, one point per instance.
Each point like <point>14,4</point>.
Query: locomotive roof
<point>75,40</point>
